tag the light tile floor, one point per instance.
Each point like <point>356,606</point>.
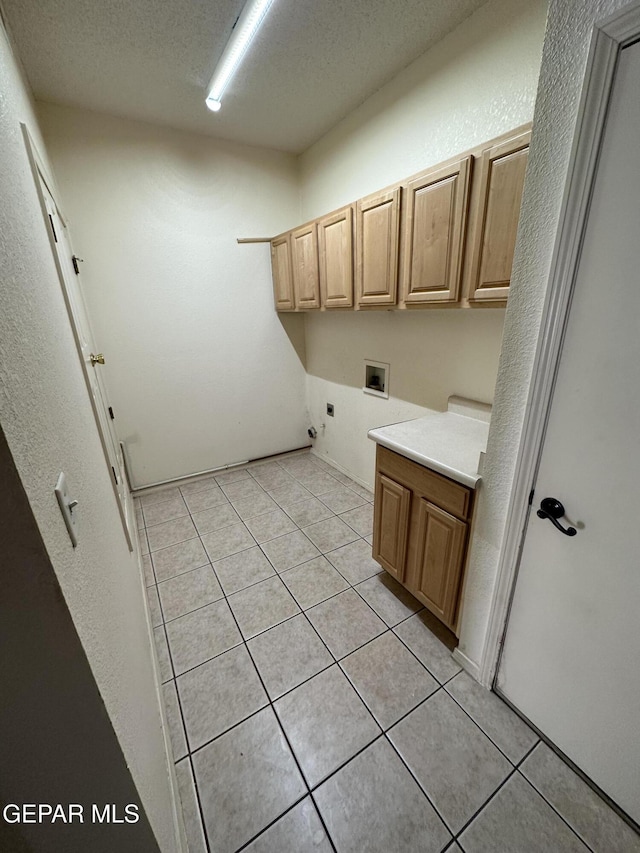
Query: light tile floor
<point>311,701</point>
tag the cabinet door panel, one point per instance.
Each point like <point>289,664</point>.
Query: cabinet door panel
<point>391,524</point>
<point>435,211</point>
<point>439,554</point>
<point>502,172</point>
<point>377,222</point>
<point>335,242</point>
<point>281,271</point>
<point>306,282</point>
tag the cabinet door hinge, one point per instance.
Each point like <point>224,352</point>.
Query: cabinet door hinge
<point>111,415</point>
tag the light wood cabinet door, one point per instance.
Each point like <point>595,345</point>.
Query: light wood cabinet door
<point>281,271</point>
<point>440,547</point>
<point>335,252</point>
<point>391,525</point>
<point>433,226</point>
<point>377,234</point>
<point>495,218</point>
<point>304,261</point>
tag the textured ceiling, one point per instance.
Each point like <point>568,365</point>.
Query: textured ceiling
<point>313,60</point>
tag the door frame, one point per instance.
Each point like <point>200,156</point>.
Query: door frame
<point>42,176</point>
<point>609,37</point>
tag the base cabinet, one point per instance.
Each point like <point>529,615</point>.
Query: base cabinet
<point>391,519</point>
<point>421,531</point>
<point>440,545</point>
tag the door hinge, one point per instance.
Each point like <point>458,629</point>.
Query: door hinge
<point>531,494</point>
<point>111,415</point>
<point>115,476</point>
<point>75,260</point>
<point>53,228</point>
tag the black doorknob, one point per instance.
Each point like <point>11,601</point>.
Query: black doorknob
<point>552,509</point>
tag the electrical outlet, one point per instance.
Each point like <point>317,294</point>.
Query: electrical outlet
<point>330,409</point>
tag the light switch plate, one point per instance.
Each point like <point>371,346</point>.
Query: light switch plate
<point>67,507</point>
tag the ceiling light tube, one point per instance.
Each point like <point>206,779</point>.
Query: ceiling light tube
<point>245,29</point>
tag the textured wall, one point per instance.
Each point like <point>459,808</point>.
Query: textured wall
<point>200,370</point>
<point>49,427</point>
<point>563,62</point>
<point>58,744</point>
<point>478,82</point>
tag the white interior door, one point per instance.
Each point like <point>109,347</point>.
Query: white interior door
<point>87,349</point>
<point>572,646</point>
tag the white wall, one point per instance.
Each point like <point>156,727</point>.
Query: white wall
<point>430,356</point>
<point>479,82</point>
<point>48,423</point>
<point>564,57</point>
<point>200,369</point>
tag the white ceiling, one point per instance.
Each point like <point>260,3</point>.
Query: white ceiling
<point>312,63</point>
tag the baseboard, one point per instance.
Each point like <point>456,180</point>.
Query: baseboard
<point>201,475</point>
<point>466,663</point>
<point>342,470</point>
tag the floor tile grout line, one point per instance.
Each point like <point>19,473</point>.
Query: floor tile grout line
<point>385,729</point>
<point>341,766</point>
<point>388,628</point>
<point>415,779</point>
<point>180,542</point>
<point>334,661</point>
<point>180,574</point>
<point>322,821</point>
<point>272,705</point>
<point>281,727</point>
<point>259,545</point>
<point>477,724</point>
<point>244,641</point>
<point>485,803</point>
<point>270,701</point>
<point>226,596</point>
<point>516,771</point>
<point>550,804</point>
<point>186,736</point>
<point>418,783</point>
<point>528,753</point>
<point>406,645</point>
<point>351,586</point>
<point>186,740</point>
<point>272,823</point>
<point>195,609</point>
<point>205,834</point>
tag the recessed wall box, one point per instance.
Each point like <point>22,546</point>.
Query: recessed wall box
<point>376,378</point>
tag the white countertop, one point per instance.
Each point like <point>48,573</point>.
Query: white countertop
<point>446,442</point>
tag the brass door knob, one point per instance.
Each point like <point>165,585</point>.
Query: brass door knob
<point>96,359</point>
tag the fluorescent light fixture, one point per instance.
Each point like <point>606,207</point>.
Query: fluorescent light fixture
<point>245,29</point>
